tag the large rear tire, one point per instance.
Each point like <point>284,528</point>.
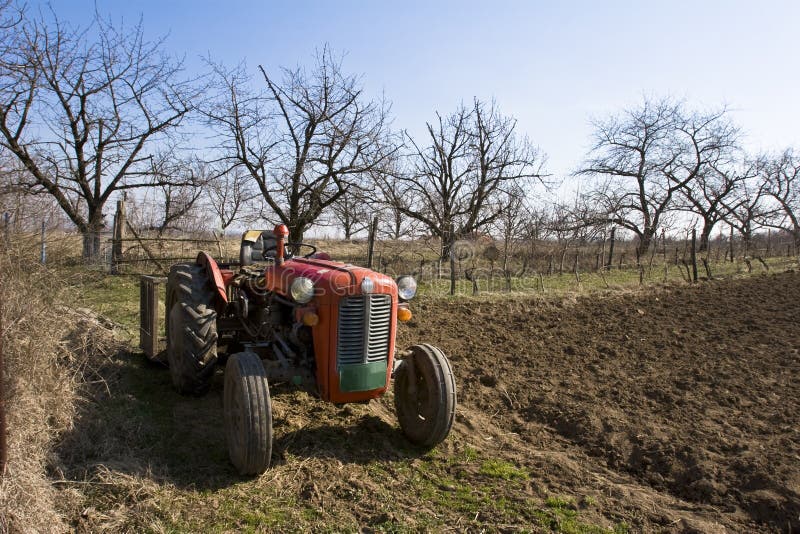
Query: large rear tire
<point>248,413</point>
<point>191,328</point>
<point>425,396</point>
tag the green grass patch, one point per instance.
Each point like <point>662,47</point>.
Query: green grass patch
<point>561,515</point>
<point>501,469</point>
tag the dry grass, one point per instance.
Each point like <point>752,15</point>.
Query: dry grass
<point>51,358</point>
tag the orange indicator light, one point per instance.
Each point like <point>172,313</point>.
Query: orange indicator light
<point>404,314</point>
<point>310,319</point>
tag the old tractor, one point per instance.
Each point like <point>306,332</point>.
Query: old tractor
<point>278,316</point>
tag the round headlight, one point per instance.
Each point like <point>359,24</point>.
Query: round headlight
<point>302,289</point>
<point>367,285</point>
<point>406,287</point>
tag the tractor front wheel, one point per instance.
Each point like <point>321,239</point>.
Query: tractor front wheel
<point>425,396</point>
<point>248,413</point>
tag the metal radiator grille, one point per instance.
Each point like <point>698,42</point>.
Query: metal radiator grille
<point>364,329</point>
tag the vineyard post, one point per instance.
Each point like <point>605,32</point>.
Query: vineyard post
<point>452,267</point>
<point>730,242</point>
<point>611,248</point>
<point>371,239</point>
<point>575,268</point>
<point>119,235</point>
<point>693,253</point>
<point>769,242</point>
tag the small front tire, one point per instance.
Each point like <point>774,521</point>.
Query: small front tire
<point>248,413</point>
<point>425,396</point>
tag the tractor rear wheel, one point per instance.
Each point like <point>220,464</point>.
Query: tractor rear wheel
<point>248,413</point>
<point>191,329</point>
<point>425,396</point>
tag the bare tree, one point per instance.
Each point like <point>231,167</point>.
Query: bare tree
<point>746,207</point>
<point>633,157</point>
<point>709,149</point>
<point>304,140</point>
<point>511,226</point>
<point>82,115</point>
<point>392,221</point>
<point>782,176</point>
<point>472,157</point>
<point>228,194</point>
<point>351,212</point>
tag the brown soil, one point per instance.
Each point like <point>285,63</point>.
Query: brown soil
<point>679,409</point>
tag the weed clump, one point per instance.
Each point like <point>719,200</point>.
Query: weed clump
<point>50,355</point>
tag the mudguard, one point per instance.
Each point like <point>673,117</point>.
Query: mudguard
<point>215,276</point>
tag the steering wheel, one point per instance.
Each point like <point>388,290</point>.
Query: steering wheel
<point>312,247</point>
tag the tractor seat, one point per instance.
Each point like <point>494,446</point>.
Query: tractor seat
<point>254,252</point>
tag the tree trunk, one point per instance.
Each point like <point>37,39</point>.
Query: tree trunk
<point>296,234</point>
<point>705,235</point>
<point>91,236</point>
<point>644,242</point>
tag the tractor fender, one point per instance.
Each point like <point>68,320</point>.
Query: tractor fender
<point>215,276</point>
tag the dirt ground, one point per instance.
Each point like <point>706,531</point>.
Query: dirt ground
<point>680,408</point>
<point>665,410</point>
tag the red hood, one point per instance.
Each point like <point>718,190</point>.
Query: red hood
<point>330,277</point>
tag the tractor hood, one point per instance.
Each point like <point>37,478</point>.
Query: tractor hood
<point>331,279</point>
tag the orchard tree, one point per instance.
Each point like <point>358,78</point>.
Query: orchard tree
<point>631,158</point>
<point>782,177</point>
<point>229,194</point>
<point>84,109</point>
<point>454,181</point>
<point>303,140</point>
<point>745,209</point>
<point>708,144</point>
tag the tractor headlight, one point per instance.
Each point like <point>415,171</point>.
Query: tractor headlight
<point>302,289</point>
<point>406,287</point>
<point>367,285</point>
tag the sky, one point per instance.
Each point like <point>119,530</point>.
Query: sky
<point>554,66</point>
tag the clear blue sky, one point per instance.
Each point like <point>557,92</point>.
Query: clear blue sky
<point>552,65</point>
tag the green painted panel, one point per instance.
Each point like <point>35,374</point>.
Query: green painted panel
<point>362,376</point>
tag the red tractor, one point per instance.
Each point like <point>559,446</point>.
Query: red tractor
<point>304,320</point>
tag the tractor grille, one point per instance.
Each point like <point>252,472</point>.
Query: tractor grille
<point>364,329</point>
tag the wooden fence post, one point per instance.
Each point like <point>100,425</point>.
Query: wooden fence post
<point>371,241</point>
<point>575,268</point>
<point>452,268</point>
<point>611,249</point>
<point>693,252</point>
<point>730,242</point>
<point>769,242</point>
<point>119,235</point>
